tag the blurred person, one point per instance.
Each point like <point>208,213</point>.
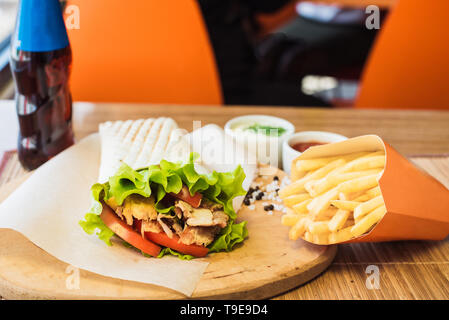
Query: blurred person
<point>230,24</point>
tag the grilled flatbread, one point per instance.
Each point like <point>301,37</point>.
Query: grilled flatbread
<point>138,143</point>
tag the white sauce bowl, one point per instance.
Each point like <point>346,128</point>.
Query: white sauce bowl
<point>268,149</point>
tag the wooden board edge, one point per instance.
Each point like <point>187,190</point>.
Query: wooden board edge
<point>290,281</point>
<point>268,290</point>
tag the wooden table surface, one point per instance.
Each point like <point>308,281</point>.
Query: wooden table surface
<point>401,264</point>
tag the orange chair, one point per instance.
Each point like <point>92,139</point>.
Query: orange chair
<point>409,65</point>
<point>142,51</point>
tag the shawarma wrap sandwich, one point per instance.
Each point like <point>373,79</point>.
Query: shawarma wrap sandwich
<point>157,206</point>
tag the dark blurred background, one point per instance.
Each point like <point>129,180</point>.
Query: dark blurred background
<point>293,53</point>
<point>288,52</point>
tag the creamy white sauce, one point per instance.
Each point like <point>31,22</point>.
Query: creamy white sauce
<point>243,128</point>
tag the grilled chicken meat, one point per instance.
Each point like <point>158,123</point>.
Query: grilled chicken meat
<point>202,236</point>
<point>202,216</point>
<point>138,207</point>
<point>151,226</point>
<point>201,224</point>
<point>212,206</point>
<point>193,225</point>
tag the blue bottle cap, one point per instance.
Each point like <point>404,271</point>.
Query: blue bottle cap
<point>41,26</point>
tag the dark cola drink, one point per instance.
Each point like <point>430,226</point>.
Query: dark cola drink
<point>40,62</point>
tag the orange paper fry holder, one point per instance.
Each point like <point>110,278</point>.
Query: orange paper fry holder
<point>417,204</point>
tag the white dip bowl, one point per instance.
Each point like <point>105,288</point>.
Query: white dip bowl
<point>259,134</point>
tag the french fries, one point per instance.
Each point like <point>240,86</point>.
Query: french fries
<point>340,236</point>
<point>365,207</point>
<point>338,220</point>
<point>290,201</point>
<point>368,221</point>
<point>301,207</point>
<point>315,188</point>
<point>345,204</point>
<point>298,185</point>
<point>318,227</point>
<point>334,199</point>
<point>359,184</point>
<point>299,228</point>
<point>290,219</point>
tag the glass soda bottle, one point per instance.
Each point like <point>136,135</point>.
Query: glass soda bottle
<point>40,60</point>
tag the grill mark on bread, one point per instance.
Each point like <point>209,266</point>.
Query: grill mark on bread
<point>151,153</point>
<point>116,127</point>
<point>124,130</point>
<point>133,130</point>
<point>170,135</point>
<point>156,141</point>
<point>120,146</point>
<point>139,155</point>
<point>171,129</point>
<point>130,139</point>
<point>149,143</point>
<point>173,139</point>
<point>159,148</point>
<point>137,144</point>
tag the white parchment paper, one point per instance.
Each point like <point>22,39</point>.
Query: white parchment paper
<point>48,206</point>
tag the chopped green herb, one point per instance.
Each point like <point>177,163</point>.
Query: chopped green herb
<point>267,130</point>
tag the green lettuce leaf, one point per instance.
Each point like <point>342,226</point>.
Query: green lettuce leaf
<point>93,222</point>
<point>181,256</point>
<point>167,177</point>
<point>229,237</point>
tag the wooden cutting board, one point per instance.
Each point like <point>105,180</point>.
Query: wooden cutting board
<point>267,264</point>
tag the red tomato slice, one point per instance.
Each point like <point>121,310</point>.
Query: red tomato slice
<point>173,243</point>
<point>184,195</point>
<point>126,232</point>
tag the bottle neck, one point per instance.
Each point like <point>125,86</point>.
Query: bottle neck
<point>40,26</point>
